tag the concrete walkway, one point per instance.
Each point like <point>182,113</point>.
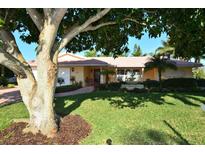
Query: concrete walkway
<point>12,94</point>
<point>9,95</point>
<point>75,92</point>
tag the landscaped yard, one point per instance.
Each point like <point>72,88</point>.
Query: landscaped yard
<point>128,118</point>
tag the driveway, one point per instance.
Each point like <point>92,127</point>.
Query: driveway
<point>12,94</point>
<point>9,95</point>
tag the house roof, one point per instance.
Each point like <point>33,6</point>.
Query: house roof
<point>71,60</point>
<point>125,61</point>
<point>180,63</point>
<point>84,62</point>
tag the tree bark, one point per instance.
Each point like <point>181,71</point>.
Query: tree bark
<point>37,93</point>
<point>39,101</point>
<point>42,115</point>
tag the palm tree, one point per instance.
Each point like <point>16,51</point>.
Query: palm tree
<point>161,64</point>
<point>91,53</point>
<point>166,49</point>
<point>137,51</point>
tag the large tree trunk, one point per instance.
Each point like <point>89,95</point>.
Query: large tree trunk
<point>41,108</point>
<point>38,99</point>
<point>37,93</point>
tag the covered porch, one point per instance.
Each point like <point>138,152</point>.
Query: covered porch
<point>94,75</point>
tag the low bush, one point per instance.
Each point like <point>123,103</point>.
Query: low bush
<point>178,83</point>
<point>67,88</point>
<point>10,85</point>
<point>115,86</point>
<point>3,81</point>
<point>151,83</point>
<point>168,85</point>
<point>135,90</point>
<point>200,82</point>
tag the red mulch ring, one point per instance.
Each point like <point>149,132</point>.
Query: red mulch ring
<point>72,129</point>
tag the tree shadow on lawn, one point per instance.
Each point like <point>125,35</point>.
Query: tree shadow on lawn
<point>121,100</point>
<point>185,98</point>
<point>179,135</point>
<point>152,136</point>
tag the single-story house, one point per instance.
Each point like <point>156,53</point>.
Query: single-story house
<point>73,68</point>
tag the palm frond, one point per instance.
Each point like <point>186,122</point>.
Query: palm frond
<point>162,64</point>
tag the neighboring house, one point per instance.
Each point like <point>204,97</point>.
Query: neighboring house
<point>73,68</point>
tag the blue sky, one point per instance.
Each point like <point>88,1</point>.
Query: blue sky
<point>147,45</point>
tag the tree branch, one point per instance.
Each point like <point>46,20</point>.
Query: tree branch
<point>75,31</point>
<point>10,46</point>
<point>59,13</point>
<point>36,17</point>
<point>12,63</point>
<point>93,28</point>
<point>134,20</point>
<point>11,56</point>
<point>47,12</point>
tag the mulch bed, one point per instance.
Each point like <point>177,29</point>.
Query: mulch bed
<point>72,129</point>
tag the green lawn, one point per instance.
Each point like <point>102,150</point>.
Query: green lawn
<point>128,118</point>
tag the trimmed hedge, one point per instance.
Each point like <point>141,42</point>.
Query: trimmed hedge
<point>174,83</point>
<point>151,83</point>
<point>135,90</point>
<point>111,86</point>
<point>168,85</point>
<point>68,88</point>
<point>200,82</point>
<point>179,83</point>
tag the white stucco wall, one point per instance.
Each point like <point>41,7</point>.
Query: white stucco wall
<point>78,73</point>
<point>179,73</point>
<point>62,73</point>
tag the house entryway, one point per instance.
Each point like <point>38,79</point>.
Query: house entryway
<point>96,77</point>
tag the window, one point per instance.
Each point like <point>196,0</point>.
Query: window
<point>120,72</point>
<point>136,72</point>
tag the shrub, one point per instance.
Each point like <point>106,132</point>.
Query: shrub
<point>10,85</point>
<point>200,82</point>
<point>199,73</point>
<point>136,90</point>
<point>151,83</point>
<point>155,89</point>
<point>68,88</point>
<point>3,81</point>
<point>115,86</point>
<point>180,83</point>
<point>60,81</point>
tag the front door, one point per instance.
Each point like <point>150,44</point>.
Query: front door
<point>97,76</point>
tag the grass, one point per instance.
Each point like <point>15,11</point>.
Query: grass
<point>10,112</point>
<point>128,118</point>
